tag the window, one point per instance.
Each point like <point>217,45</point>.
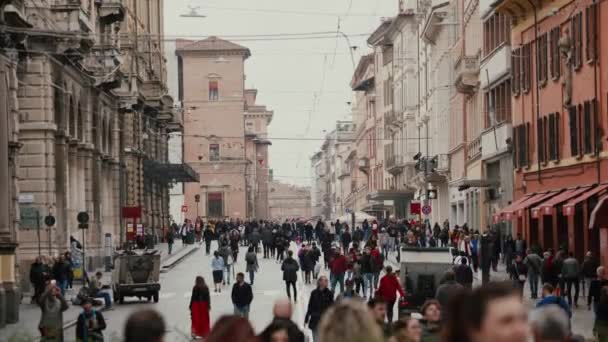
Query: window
<point>576,24</point>
<point>498,104</point>
<point>214,152</point>
<point>555,65</point>
<point>215,204</point>
<point>526,66</point>
<point>214,92</point>
<point>541,59</point>
<point>516,71</point>
<point>540,139</point>
<point>496,32</point>
<point>574,137</point>
<point>588,126</point>
<point>553,136</point>
<point>591,28</point>
<point>521,134</point>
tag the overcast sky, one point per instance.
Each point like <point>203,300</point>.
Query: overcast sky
<point>289,74</point>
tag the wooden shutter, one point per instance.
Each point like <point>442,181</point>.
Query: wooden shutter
<point>552,137</point>
<point>515,147</point>
<point>587,126</point>
<point>515,66</point>
<point>591,32</point>
<point>527,144</point>
<point>540,140</point>
<point>572,118</point>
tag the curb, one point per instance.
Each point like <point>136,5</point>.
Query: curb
<point>167,267</point>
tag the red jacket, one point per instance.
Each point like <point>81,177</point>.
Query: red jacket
<point>338,265</point>
<point>389,286</point>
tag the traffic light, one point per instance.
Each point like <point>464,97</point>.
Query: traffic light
<point>431,194</point>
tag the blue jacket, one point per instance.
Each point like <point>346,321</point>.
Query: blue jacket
<point>555,300</point>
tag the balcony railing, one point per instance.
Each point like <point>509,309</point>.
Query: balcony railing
<point>395,164</point>
<point>467,72</point>
<point>474,149</point>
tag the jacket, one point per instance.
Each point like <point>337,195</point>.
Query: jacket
<point>555,300</point>
<point>389,286</point>
<point>366,263</point>
<point>294,333</point>
<point>217,264</point>
<point>320,300</point>
<point>252,262</point>
<point>242,295</point>
<point>89,326</point>
<point>290,269</point>
<point>338,265</point>
<point>590,266</point>
<point>200,295</point>
<point>464,274</point>
<point>534,263</point>
<point>571,269</point>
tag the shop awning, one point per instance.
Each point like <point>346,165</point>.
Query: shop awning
<point>519,209</point>
<point>383,195</point>
<point>167,173</point>
<point>568,208</point>
<point>546,207</point>
<point>508,209</point>
<point>599,215</point>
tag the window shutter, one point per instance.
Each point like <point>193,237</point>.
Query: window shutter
<point>515,147</point>
<point>527,144</point>
<point>587,128</point>
<point>572,118</point>
<point>597,144</point>
<point>540,140</point>
<point>551,137</point>
<point>557,137</point>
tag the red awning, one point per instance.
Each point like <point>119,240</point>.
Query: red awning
<point>546,207</point>
<point>569,207</point>
<point>599,215</point>
<point>519,209</point>
<point>507,210</point>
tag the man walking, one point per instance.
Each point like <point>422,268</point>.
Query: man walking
<point>321,299</point>
<point>534,263</point>
<point>464,274</point>
<point>338,266</point>
<point>571,272</point>
<point>282,312</point>
<point>242,296</point>
<point>290,270</point>
<point>208,237</point>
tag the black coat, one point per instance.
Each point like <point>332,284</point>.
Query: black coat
<point>290,269</point>
<point>200,295</point>
<point>293,331</point>
<point>464,274</point>
<point>320,300</point>
<point>242,295</point>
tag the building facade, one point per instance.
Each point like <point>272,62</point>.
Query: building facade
<point>88,113</point>
<point>559,122</point>
<point>287,201</point>
<point>225,132</point>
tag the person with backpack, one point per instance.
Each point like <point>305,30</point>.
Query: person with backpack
<point>290,270</point>
<point>252,266</point>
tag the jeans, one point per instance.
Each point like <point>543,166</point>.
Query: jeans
<point>106,298</point>
<point>242,311</point>
<point>389,310</point>
<point>170,247</point>
<point>63,285</point>
<point>227,270</point>
<point>207,246</point>
<point>385,249</point>
<point>337,279</point>
<point>289,284</point>
<point>266,250</point>
<point>251,277</point>
<point>533,279</point>
<point>376,279</point>
<point>569,283</point>
<point>368,283</point>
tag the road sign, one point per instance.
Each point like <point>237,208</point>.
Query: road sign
<point>184,208</point>
<point>26,198</point>
<point>83,217</point>
<point>426,209</point>
<point>49,220</point>
<point>197,198</point>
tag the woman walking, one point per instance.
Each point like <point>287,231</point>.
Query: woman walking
<point>217,267</point>
<point>252,264</point>
<point>200,305</point>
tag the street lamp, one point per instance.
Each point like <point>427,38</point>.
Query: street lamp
<point>197,199</point>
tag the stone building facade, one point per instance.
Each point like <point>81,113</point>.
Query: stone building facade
<point>287,201</point>
<point>89,117</point>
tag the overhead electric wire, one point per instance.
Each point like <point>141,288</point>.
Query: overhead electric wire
<point>279,11</point>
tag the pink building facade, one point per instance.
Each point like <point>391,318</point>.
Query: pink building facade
<point>224,132</point>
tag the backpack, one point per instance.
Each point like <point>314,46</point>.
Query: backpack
<point>250,259</point>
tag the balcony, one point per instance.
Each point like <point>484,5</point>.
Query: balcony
<point>496,65</point>
<point>395,164</point>
<point>474,149</point>
<point>344,172</point>
<point>467,74</point>
<point>496,141</point>
<point>363,164</point>
<point>111,11</point>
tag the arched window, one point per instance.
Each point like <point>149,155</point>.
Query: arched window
<point>214,90</point>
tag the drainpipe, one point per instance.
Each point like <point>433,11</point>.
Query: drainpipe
<point>537,85</point>
<point>598,140</point>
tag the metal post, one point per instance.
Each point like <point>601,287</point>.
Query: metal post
<point>84,259</point>
<point>38,225</point>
